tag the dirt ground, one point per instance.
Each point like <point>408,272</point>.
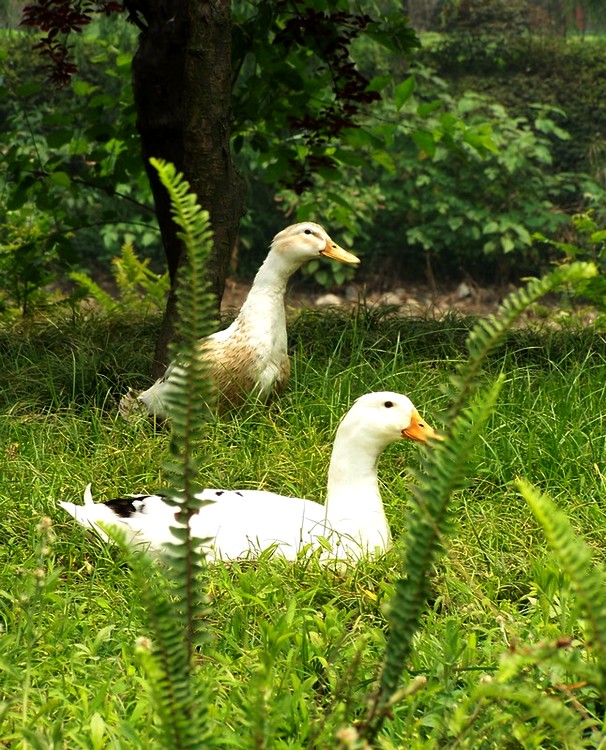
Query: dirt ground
<point>419,299</point>
<point>467,298</point>
<point>463,298</point>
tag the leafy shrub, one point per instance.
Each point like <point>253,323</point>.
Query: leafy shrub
<point>474,210</point>
<point>74,154</point>
<point>587,244</point>
<point>569,75</point>
<point>30,254</point>
<point>137,286</point>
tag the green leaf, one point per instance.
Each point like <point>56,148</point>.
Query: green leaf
<point>350,158</point>
<point>507,244</point>
<point>328,173</point>
<point>59,138</point>
<point>97,731</point>
<point>360,137</point>
<point>385,160</point>
<point>337,198</point>
<point>404,91</point>
<point>378,83</point>
<point>425,142</point>
<point>60,178</point>
<point>82,88</point>
<point>29,89</point>
<point>276,170</point>
<point>424,110</point>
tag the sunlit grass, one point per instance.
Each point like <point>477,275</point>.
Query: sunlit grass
<point>288,644</point>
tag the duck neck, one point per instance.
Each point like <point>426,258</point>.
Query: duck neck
<point>270,281</point>
<point>353,504</point>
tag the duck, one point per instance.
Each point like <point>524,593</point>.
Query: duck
<point>250,356</point>
<point>233,524</point>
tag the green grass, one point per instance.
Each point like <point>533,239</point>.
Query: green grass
<point>293,651</point>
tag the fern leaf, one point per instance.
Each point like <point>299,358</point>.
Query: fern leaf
<point>179,702</point>
<point>443,471</point>
<point>93,289</point>
<point>574,555</point>
<point>428,522</point>
<point>173,594</point>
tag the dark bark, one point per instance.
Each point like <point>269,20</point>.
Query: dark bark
<point>182,88</point>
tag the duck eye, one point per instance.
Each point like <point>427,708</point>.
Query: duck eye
<point>388,404</point>
<point>308,231</point>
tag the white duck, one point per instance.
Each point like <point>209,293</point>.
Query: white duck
<point>236,524</point>
<point>251,355</point>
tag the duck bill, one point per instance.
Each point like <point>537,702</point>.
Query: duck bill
<point>332,250</point>
<point>419,430</point>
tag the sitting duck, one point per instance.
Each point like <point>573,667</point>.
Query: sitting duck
<point>234,524</point>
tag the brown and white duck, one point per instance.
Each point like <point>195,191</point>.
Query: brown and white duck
<point>250,356</point>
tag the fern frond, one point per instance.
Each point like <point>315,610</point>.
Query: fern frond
<point>444,470</point>
<point>553,718</point>
<point>179,702</point>
<point>137,283</point>
<point>92,289</point>
<point>174,594</point>
<point>428,523</point>
<point>574,555</point>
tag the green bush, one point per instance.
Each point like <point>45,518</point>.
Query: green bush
<point>569,75</point>
<point>74,156</point>
<point>588,243</point>
<point>469,210</point>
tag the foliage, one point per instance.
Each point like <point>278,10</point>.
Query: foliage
<point>482,30</point>
<point>369,185</point>
<point>298,96</point>
<point>567,75</point>
<point>30,255</point>
<point>446,469</point>
<point>77,159</point>
<point>312,137</point>
<point>587,244</point>
<point>294,650</point>
<point>73,175</point>
<point>138,288</point>
<point>60,19</point>
<point>461,205</point>
<point>462,182</point>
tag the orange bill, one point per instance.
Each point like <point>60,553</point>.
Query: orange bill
<point>418,429</point>
<point>332,250</point>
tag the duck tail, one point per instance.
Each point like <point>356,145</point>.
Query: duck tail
<point>130,405</point>
<point>90,514</point>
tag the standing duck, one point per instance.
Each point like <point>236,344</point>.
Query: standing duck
<point>242,523</point>
<point>251,355</point>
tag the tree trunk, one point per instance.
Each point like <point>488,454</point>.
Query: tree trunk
<point>182,90</point>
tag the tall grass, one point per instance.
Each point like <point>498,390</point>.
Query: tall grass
<point>295,650</point>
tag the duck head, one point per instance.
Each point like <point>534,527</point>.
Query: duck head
<point>305,241</point>
<point>386,417</point>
